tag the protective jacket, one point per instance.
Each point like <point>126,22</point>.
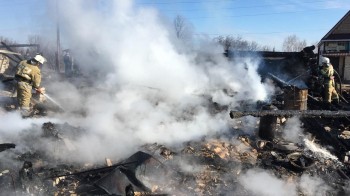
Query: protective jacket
<point>29,73</point>
<point>327,73</point>
<point>27,76</point>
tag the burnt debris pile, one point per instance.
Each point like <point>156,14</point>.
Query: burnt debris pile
<point>210,166</point>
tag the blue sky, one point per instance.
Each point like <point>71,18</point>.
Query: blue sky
<point>267,22</point>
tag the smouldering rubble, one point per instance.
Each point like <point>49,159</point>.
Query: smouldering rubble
<point>210,166</point>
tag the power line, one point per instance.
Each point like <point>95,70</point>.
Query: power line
<point>263,14</point>
<point>243,7</point>
<point>185,2</point>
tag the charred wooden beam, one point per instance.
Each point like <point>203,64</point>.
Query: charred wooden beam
<point>6,146</point>
<point>290,113</point>
<point>101,169</point>
<point>8,52</point>
<point>21,45</point>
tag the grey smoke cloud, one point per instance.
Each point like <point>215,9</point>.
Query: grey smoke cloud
<point>313,185</point>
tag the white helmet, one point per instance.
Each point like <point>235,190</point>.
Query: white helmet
<point>40,59</point>
<point>324,60</point>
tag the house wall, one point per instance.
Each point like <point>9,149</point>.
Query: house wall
<point>338,52</point>
<point>347,68</point>
<point>341,67</point>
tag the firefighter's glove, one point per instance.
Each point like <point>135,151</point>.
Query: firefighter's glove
<point>332,77</point>
<point>40,90</point>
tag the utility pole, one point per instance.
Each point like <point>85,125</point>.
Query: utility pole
<point>58,39</point>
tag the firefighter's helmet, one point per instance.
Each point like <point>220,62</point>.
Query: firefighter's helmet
<point>324,61</point>
<point>40,59</point>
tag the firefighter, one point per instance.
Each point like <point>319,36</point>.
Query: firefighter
<point>327,72</point>
<point>68,63</point>
<point>28,76</point>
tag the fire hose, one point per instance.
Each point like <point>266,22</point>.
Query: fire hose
<point>340,87</point>
<point>51,99</point>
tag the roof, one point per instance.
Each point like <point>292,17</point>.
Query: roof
<point>335,33</point>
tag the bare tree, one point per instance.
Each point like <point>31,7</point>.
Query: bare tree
<point>33,39</point>
<point>179,24</point>
<point>46,48</point>
<point>226,42</point>
<point>238,43</point>
<point>293,44</point>
<point>183,28</point>
<point>8,41</point>
<point>265,48</point>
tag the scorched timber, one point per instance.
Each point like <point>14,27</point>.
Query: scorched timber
<point>289,113</point>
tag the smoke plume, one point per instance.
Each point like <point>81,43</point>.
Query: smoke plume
<point>139,85</point>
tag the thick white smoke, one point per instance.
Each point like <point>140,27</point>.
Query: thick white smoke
<point>293,131</point>
<point>142,87</point>
<point>259,182</point>
<point>263,183</point>
<point>12,125</point>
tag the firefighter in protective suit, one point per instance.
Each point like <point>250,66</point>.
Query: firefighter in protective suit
<point>327,72</point>
<point>28,76</point>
